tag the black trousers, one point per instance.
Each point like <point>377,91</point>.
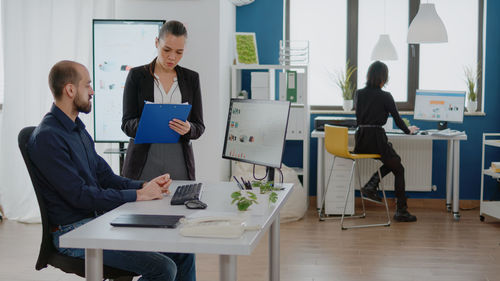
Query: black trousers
<point>393,164</point>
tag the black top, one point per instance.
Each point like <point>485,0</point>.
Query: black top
<point>373,106</point>
<point>74,180</point>
<point>139,88</point>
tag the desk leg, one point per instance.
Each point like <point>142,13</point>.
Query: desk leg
<point>227,267</point>
<point>456,179</point>
<point>449,175</point>
<point>320,184</point>
<point>93,264</point>
<point>274,250</point>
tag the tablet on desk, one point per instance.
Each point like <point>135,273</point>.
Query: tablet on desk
<point>156,221</point>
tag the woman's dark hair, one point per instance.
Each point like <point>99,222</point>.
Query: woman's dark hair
<point>173,27</point>
<point>378,73</point>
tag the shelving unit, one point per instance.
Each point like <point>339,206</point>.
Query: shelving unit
<point>490,208</point>
<point>296,131</point>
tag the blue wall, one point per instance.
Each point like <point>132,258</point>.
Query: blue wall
<point>265,18</point>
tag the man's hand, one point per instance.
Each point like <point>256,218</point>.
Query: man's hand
<point>180,126</point>
<point>413,129</point>
<point>155,188</point>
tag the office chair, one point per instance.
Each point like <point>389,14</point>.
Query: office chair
<point>48,253</point>
<point>336,143</point>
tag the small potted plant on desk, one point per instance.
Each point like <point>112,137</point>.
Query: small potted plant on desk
<point>471,79</point>
<point>245,198</point>
<point>344,82</point>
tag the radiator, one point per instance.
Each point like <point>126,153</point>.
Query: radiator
<point>416,156</point>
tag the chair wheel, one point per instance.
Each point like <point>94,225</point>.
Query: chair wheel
<point>481,218</point>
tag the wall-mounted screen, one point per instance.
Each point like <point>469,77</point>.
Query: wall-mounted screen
<point>118,45</point>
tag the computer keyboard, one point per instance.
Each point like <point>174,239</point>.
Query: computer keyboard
<point>186,192</point>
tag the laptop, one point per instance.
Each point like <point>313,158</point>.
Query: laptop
<point>156,221</point>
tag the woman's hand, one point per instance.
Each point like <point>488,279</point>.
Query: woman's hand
<point>180,126</point>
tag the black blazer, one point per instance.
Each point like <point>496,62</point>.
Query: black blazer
<point>139,88</point>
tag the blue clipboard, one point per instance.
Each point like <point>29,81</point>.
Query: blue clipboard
<point>153,126</point>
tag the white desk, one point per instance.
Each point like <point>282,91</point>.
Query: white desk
<point>99,234</point>
<point>452,165</point>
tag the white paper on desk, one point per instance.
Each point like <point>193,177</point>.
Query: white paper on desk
<point>446,132</point>
<point>215,225</point>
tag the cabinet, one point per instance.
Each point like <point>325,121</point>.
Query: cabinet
<point>490,208</point>
<point>298,123</point>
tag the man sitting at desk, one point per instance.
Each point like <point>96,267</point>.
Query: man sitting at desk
<point>77,183</point>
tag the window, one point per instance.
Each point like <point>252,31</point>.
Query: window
<point>448,60</point>
<point>424,66</point>
<point>327,44</point>
<point>392,19</point>
<point>1,63</point>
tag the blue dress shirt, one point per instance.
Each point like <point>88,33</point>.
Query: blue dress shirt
<point>75,181</point>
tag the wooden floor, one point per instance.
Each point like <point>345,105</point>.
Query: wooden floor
<point>434,248</point>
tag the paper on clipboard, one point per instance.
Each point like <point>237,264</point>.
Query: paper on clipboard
<point>153,126</point>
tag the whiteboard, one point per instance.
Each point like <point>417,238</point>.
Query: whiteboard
<point>118,45</point>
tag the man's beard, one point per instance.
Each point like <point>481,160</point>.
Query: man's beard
<point>82,106</point>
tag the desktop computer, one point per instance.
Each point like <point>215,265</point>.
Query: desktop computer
<point>439,106</point>
<point>256,132</point>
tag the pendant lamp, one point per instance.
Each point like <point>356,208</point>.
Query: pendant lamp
<point>427,26</point>
<point>384,49</point>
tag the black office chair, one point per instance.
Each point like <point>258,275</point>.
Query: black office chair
<point>48,253</point>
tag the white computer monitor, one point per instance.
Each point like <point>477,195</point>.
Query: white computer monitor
<point>440,106</point>
<point>256,131</point>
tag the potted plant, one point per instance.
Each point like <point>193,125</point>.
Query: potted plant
<point>267,188</point>
<point>471,79</point>
<point>246,198</point>
<point>344,82</point>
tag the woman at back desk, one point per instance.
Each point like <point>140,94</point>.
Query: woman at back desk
<point>373,106</point>
<point>163,81</point>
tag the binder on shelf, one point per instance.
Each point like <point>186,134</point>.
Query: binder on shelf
<point>153,126</point>
<point>291,86</point>
<point>300,90</point>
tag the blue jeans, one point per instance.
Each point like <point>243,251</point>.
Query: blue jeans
<point>150,265</point>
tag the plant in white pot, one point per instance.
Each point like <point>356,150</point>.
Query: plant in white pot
<point>471,80</point>
<point>344,82</point>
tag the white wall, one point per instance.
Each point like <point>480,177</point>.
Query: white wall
<point>210,24</point>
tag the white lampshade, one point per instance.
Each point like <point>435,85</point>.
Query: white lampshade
<point>384,49</point>
<point>241,2</point>
<point>427,27</point>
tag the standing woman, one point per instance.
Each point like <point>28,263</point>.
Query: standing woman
<point>163,81</point>
<point>373,106</point>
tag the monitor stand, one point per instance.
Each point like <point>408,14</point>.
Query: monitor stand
<point>270,174</point>
<point>442,125</point>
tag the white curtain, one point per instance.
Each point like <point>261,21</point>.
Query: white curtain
<point>36,35</point>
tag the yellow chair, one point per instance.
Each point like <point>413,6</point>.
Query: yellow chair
<point>336,143</point>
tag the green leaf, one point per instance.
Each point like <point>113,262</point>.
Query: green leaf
<point>236,195</point>
<point>273,197</point>
<point>252,195</point>
<point>244,204</point>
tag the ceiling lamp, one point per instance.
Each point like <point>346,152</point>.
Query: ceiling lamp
<point>427,26</point>
<point>241,2</point>
<point>384,49</point>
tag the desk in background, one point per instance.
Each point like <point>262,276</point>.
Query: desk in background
<point>452,165</point>
<point>98,234</point>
